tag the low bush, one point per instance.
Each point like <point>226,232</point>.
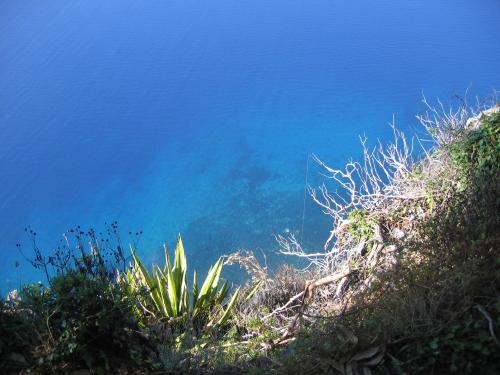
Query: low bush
<point>83,318</point>
<point>82,322</point>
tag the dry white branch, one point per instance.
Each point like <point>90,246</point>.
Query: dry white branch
<point>381,178</point>
<point>445,124</point>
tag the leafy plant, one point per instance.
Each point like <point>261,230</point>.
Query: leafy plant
<point>478,153</point>
<point>89,319</point>
<point>82,317</point>
<point>79,321</point>
<point>361,225</point>
<point>460,348</point>
<point>168,292</point>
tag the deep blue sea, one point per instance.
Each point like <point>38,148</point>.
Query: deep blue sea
<point>198,116</point>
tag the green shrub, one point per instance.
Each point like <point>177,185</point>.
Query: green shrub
<point>83,318</point>
<point>477,154</point>
<point>361,225</point>
<point>84,322</point>
<point>460,348</point>
<point>16,338</point>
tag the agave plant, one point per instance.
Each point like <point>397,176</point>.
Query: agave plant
<point>168,291</point>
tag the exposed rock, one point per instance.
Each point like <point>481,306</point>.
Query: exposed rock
<point>397,233</point>
<point>12,296</point>
<point>475,122</point>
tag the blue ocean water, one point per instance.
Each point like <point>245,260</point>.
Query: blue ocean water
<point>197,117</point>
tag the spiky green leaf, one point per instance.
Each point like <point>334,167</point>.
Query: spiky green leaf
<point>227,312</point>
<point>250,293</point>
<point>195,290</point>
<point>207,287</point>
<point>147,280</point>
<point>222,293</point>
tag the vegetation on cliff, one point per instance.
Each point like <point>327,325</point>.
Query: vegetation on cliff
<point>408,282</point>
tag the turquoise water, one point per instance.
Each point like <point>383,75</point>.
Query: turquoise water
<point>197,117</point>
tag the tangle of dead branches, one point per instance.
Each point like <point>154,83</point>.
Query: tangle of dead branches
<point>381,179</point>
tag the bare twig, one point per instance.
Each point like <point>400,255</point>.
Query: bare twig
<point>483,311</point>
